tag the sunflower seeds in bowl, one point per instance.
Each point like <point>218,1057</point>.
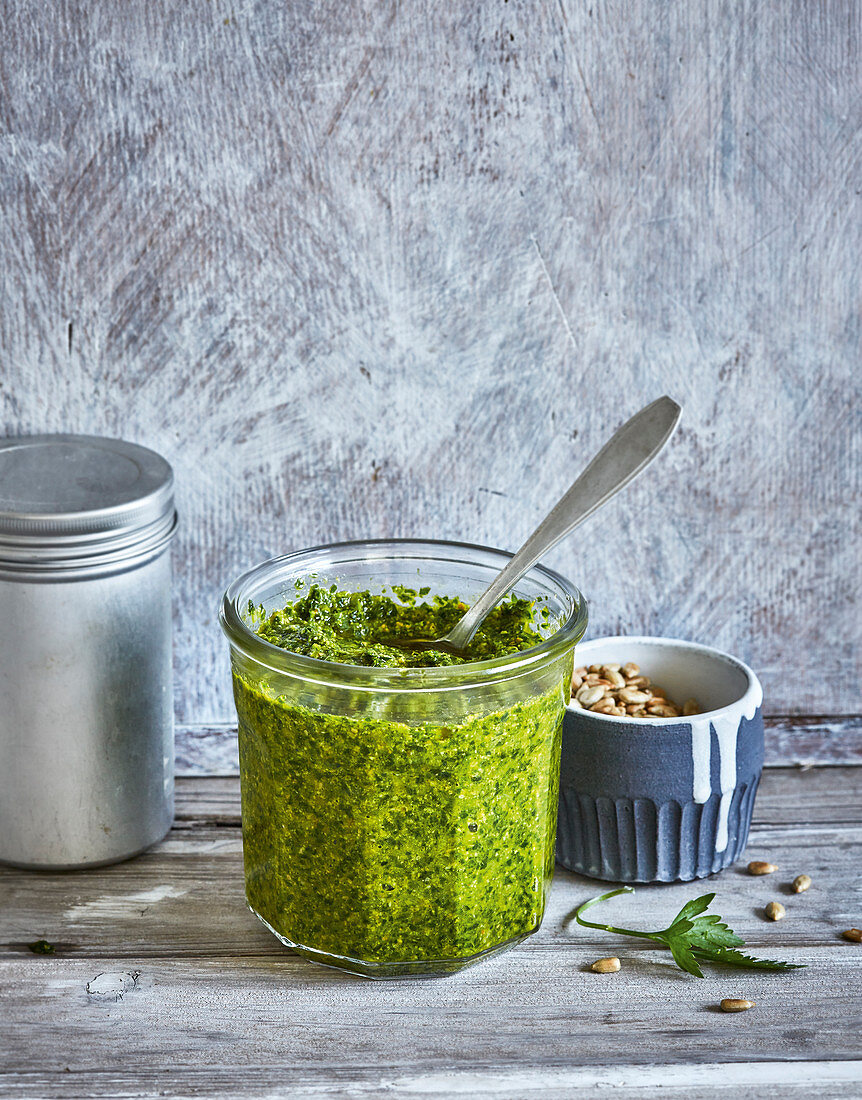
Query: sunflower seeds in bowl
<point>623,691</point>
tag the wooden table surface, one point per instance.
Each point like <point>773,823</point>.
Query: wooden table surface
<point>163,983</point>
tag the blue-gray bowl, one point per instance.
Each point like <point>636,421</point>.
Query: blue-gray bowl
<point>662,799</point>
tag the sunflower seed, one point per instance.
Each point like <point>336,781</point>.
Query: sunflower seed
<point>761,867</point>
<point>589,694</point>
<point>662,710</point>
<point>625,691</point>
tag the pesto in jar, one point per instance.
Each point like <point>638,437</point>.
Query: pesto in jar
<point>376,839</point>
<point>358,628</point>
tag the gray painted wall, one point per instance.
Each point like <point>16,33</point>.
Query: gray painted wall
<point>398,268</point>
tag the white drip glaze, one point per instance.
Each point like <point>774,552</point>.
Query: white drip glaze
<point>726,726</point>
<point>700,759</point>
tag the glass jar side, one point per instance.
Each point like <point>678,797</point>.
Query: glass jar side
<point>391,848</point>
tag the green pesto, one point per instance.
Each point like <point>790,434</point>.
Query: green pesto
<point>374,839</point>
<point>41,947</point>
<point>357,628</point>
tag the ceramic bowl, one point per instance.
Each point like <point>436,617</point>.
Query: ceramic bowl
<point>662,799</point>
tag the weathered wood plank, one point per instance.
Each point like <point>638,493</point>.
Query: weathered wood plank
<point>207,800</point>
<point>159,957</point>
<point>185,897</point>
<point>799,796</point>
<point>212,749</point>
<point>709,1081</point>
<point>787,796</point>
<point>813,740</point>
<point>524,1009</point>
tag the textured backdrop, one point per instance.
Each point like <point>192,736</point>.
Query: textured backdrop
<point>398,268</point>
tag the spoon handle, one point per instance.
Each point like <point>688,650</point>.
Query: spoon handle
<point>622,458</point>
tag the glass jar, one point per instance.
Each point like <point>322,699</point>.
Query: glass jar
<point>399,821</point>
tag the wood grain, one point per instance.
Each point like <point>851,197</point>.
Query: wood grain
<point>163,983</point>
<point>259,1011</point>
<point>707,1081</point>
<point>833,1079</point>
<point>212,749</point>
<point>399,270</point>
<point>786,796</point>
<point>186,899</point>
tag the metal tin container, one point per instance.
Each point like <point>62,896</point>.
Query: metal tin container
<point>86,704</point>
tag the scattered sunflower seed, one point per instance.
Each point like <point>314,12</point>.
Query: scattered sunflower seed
<point>775,911</point>
<point>801,884</point>
<point>609,965</point>
<point>853,934</point>
<point>736,1004</point>
<point>761,867</point>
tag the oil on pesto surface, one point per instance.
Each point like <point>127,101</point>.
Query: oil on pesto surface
<point>378,840</point>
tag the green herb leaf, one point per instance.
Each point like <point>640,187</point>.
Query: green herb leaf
<point>729,957</point>
<point>695,907</point>
<point>693,937</point>
<point>711,932</point>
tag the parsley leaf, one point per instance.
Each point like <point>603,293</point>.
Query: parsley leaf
<point>693,936</point>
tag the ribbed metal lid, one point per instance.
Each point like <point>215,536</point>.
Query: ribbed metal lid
<point>73,496</point>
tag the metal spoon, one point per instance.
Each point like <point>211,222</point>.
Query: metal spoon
<point>627,452</point>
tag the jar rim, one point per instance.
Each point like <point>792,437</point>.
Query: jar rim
<point>373,678</point>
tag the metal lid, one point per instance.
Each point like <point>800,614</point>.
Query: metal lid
<point>70,499</point>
